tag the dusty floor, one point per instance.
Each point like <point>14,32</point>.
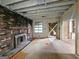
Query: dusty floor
<point>47,49</point>
<point>46,45</point>
<point>50,56</point>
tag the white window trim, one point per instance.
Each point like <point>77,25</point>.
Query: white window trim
<point>38,28</point>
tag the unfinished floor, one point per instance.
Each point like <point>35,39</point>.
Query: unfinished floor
<point>48,49</point>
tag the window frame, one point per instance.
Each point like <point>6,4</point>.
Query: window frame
<point>38,27</point>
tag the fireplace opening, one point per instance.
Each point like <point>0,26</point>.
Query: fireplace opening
<point>19,39</point>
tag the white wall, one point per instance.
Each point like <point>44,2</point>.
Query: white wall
<point>45,27</point>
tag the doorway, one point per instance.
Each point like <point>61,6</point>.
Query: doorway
<point>54,29</point>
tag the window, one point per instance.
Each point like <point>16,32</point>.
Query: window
<point>38,28</point>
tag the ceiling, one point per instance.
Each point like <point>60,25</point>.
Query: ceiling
<point>36,9</point>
